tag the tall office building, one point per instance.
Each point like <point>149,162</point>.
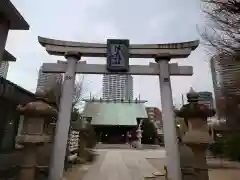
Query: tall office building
<point>4,65</point>
<point>224,75</point>
<point>117,87</point>
<point>48,80</point>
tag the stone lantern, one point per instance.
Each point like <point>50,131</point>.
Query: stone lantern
<point>197,137</point>
<point>33,133</point>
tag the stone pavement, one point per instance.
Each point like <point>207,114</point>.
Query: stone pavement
<point>130,164</point>
<point>124,164</point>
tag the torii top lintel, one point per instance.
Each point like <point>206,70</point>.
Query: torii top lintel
<point>172,50</point>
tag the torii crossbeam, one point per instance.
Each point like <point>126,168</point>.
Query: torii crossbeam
<point>83,68</point>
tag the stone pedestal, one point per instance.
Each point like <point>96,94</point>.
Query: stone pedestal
<point>197,136</point>
<point>201,163</point>
<point>81,152</point>
<point>198,139</point>
<point>45,150</point>
<point>28,165</point>
<point>139,138</point>
<point>187,162</point>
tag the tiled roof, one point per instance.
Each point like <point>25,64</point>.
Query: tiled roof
<point>114,113</point>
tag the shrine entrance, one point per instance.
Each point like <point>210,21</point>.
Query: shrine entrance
<point>118,53</point>
<point>112,134</point>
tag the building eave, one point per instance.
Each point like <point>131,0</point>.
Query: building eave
<point>8,10</point>
<point>8,56</point>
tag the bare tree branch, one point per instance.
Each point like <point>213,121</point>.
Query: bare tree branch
<point>54,93</point>
<point>79,91</point>
<point>224,32</point>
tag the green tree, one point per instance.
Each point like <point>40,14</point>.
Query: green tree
<point>149,133</point>
<point>75,116</point>
<point>232,146</point>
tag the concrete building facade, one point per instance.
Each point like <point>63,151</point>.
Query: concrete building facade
<point>4,65</point>
<point>155,116</point>
<point>48,80</point>
<point>224,75</point>
<point>117,87</point>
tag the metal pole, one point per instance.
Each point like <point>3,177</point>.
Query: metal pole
<point>169,125</point>
<point>182,99</point>
<point>64,116</point>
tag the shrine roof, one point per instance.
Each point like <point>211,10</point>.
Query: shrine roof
<point>9,12</point>
<point>114,113</point>
<point>15,93</point>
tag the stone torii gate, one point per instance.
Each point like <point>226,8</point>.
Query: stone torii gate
<point>162,53</point>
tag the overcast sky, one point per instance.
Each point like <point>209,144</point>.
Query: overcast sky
<point>141,21</point>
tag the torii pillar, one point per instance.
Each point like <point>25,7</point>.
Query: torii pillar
<point>162,54</point>
<point>64,118</point>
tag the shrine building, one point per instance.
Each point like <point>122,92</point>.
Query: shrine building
<point>113,120</point>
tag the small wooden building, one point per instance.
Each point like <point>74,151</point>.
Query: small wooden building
<point>11,95</point>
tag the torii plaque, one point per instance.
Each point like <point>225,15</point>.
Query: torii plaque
<point>162,53</point>
<point>117,55</point>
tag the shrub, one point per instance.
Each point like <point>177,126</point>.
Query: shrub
<point>217,148</point>
<point>232,146</point>
<point>149,133</point>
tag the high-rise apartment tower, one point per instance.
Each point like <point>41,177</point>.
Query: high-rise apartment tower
<point>117,87</point>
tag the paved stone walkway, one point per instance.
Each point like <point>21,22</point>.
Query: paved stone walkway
<point>131,164</point>
<point>124,164</point>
